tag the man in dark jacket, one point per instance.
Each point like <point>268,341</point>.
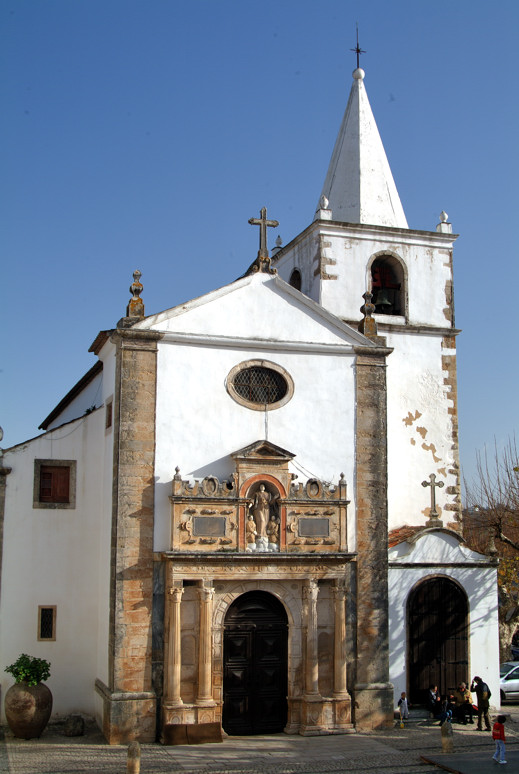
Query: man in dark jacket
<point>483,694</point>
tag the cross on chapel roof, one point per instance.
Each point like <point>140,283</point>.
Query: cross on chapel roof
<point>262,262</point>
<point>434,516</point>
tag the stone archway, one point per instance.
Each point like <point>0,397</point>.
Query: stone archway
<point>255,665</point>
<point>437,626</point>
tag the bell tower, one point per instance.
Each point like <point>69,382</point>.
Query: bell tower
<point>360,241</point>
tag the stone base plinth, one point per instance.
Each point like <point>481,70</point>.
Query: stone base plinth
<point>128,717</point>
<point>374,706</point>
<point>321,716</point>
<point>189,715</point>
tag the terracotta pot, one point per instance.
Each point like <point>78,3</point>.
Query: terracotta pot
<point>28,709</point>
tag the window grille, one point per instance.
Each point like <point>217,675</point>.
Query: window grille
<point>47,623</point>
<point>260,385</point>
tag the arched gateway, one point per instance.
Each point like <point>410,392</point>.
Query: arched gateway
<point>255,665</point>
<point>437,617</point>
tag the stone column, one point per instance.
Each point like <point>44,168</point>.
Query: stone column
<point>373,691</point>
<point>205,642</point>
<point>340,690</point>
<point>173,654</point>
<point>310,593</point>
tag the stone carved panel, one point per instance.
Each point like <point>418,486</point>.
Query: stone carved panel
<point>209,526</point>
<point>314,527</point>
<point>212,515</point>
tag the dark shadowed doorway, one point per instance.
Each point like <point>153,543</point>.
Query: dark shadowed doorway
<point>437,620</point>
<point>255,665</point>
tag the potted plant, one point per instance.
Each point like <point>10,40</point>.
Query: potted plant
<point>28,703</point>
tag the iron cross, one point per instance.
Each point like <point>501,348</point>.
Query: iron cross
<point>433,484</point>
<point>358,49</point>
<point>262,222</point>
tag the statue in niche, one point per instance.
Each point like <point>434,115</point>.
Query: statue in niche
<point>273,534</point>
<point>261,511</point>
<point>251,533</point>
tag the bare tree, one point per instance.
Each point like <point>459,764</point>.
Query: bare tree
<point>491,525</point>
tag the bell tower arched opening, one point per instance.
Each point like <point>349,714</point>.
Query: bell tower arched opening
<point>388,285</point>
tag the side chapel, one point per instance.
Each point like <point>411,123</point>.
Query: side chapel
<point>247,513</point>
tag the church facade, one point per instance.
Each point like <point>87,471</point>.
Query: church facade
<point>247,513</point>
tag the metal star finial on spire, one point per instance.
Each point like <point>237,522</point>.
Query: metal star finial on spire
<point>358,50</point>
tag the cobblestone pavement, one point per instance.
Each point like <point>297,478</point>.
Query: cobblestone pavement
<point>393,751</point>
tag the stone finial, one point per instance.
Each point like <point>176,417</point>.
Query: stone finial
<point>491,546</point>
<point>323,211</point>
<point>444,227</point>
<point>135,308</point>
<point>279,245</point>
<point>367,325</point>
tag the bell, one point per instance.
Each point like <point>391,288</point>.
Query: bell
<point>383,301</point>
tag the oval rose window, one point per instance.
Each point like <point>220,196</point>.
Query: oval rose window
<point>259,385</point>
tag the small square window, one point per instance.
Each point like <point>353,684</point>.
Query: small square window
<point>54,484</point>
<point>46,622</point>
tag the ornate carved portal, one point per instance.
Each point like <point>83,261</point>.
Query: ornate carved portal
<point>261,532</point>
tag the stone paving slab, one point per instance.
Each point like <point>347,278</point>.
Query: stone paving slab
<point>474,763</point>
<point>415,749</point>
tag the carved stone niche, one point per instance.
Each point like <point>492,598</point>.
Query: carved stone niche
<point>210,515</point>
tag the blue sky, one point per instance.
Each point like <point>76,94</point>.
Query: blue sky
<point>144,134</point>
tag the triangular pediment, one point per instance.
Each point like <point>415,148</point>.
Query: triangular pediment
<point>435,546</point>
<point>261,450</point>
<point>254,309</point>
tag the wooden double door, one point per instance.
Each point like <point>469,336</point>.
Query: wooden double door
<point>437,620</point>
<point>255,665</point>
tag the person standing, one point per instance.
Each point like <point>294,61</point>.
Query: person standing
<point>498,735</point>
<point>483,694</point>
<point>403,706</point>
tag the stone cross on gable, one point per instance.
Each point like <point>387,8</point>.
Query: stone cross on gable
<point>434,516</point>
<point>262,222</point>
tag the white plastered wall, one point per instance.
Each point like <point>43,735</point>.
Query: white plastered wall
<point>347,252</point>
<point>107,355</point>
<point>420,432</point>
<point>90,397</point>
<point>199,425</point>
<point>480,585</point>
<point>51,557</point>
<point>420,410</point>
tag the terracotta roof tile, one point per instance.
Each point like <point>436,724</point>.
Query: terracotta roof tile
<point>401,534</point>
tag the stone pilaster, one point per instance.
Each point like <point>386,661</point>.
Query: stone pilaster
<point>340,690</point>
<point>205,649</point>
<point>173,653</point>
<point>129,699</point>
<point>310,592</point>
<point>373,692</point>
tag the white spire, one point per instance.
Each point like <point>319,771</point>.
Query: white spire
<point>359,184</point>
